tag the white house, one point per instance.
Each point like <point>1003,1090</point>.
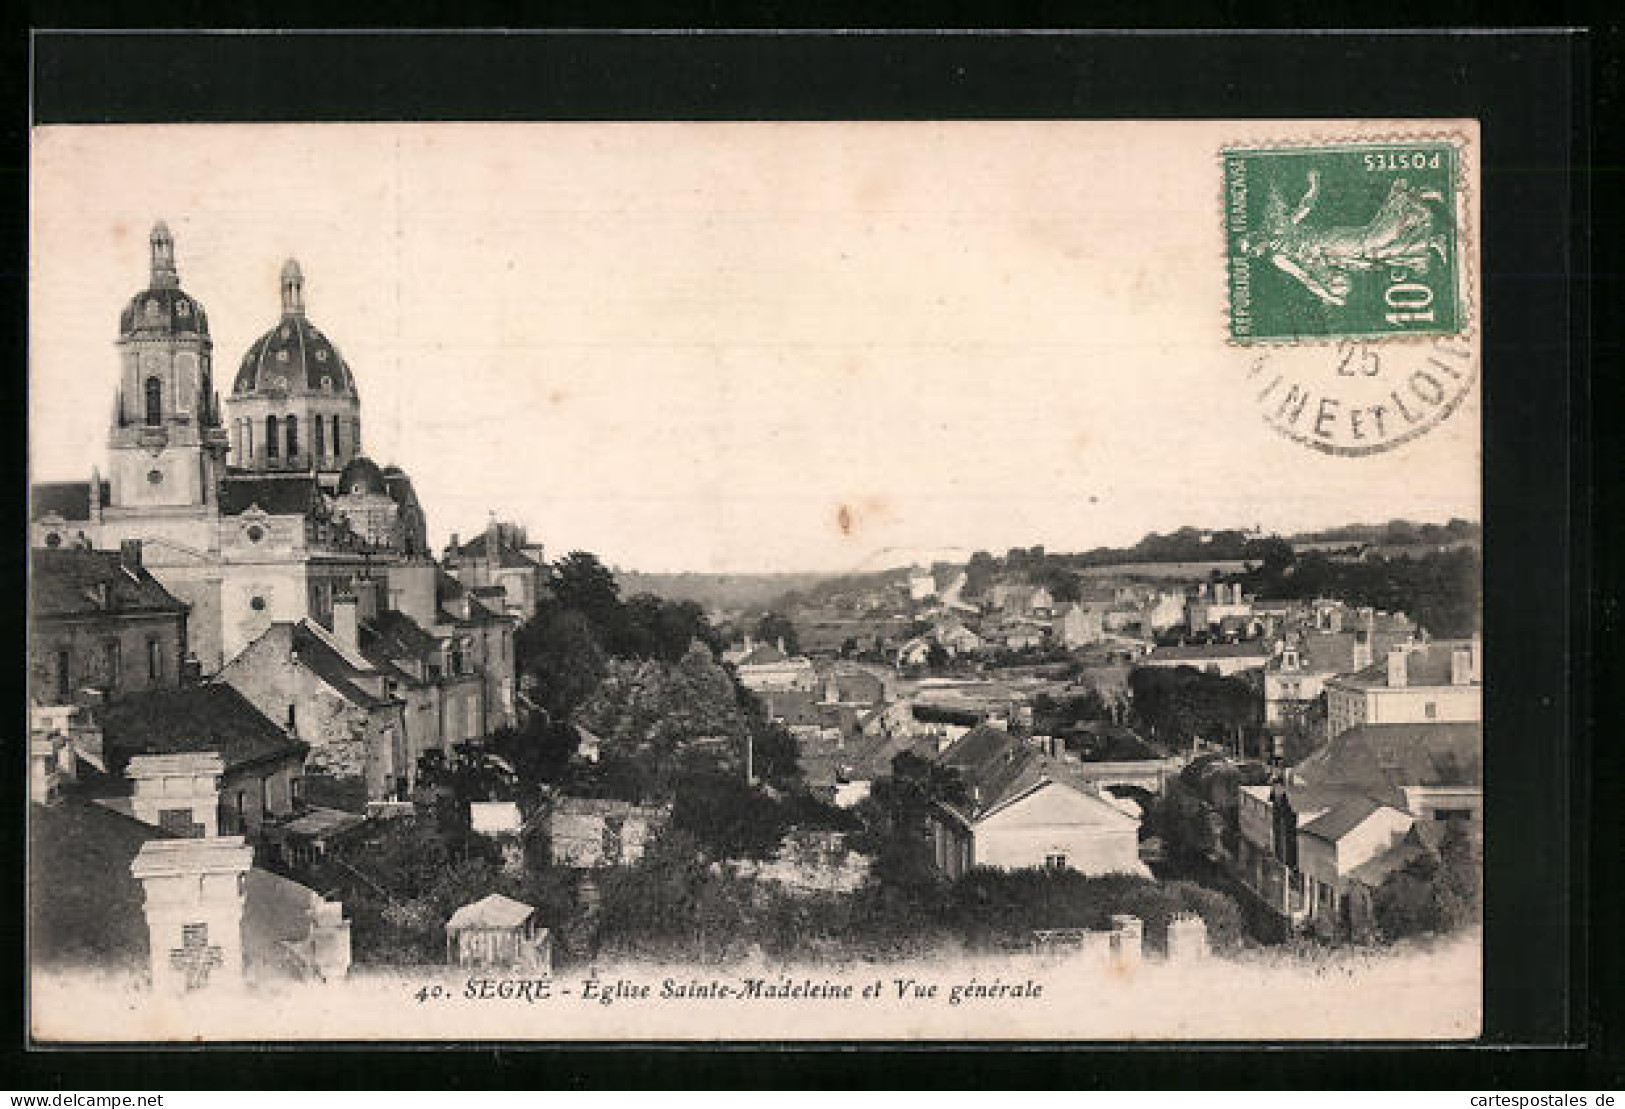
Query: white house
<point>1020,811</point>
<point>1435,683</point>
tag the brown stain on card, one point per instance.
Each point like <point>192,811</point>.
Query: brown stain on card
<point>844,520</point>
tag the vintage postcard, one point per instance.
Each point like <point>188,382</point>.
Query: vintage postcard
<point>897,581</point>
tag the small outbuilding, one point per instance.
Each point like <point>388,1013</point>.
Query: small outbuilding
<point>497,931</point>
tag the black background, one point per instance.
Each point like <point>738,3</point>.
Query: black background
<point>1532,93</point>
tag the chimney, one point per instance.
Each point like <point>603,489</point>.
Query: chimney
<point>344,623</point>
<point>493,543</point>
<point>1396,667</point>
<point>129,556</point>
<point>1461,666</point>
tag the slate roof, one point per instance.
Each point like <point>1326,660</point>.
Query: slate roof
<point>276,494</point>
<point>1381,759</point>
<point>211,717</point>
<point>1342,818</point>
<point>64,583</point>
<point>301,356</point>
<point>398,635</point>
<point>332,667</point>
<point>67,499</point>
<point>508,556</point>
<point>764,654</point>
<point>361,474</point>
<point>491,911</point>
<point>994,765</point>
<point>1426,665</point>
<point>163,311</point>
<point>399,486</point>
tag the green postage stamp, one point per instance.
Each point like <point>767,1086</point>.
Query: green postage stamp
<point>1355,241</point>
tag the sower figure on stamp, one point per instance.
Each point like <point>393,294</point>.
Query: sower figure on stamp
<point>1402,233</point>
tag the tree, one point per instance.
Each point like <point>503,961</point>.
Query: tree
<point>583,584</point>
<point>727,818</point>
<point>775,754</point>
<point>1432,893</point>
<point>559,659</point>
<point>776,628</point>
<point>980,572</point>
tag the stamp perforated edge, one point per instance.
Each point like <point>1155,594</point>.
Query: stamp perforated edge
<point>1466,235</point>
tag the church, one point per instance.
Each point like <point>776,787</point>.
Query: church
<point>260,509</point>
<point>264,517</point>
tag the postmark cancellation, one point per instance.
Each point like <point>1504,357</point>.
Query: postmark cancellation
<point>1349,268</point>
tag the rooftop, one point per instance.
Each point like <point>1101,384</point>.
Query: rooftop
<point>1342,818</point>
<point>1426,665</point>
<point>491,911</point>
<point>67,582</point>
<point>1381,759</point>
<point>211,717</point>
<point>68,499</point>
<point>316,655</point>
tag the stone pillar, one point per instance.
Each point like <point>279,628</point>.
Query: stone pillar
<point>179,793</point>
<point>194,907</point>
<point>1127,934</point>
<point>329,940</point>
<point>1187,938</point>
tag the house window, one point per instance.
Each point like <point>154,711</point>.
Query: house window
<point>1054,862</point>
<point>271,440</point>
<point>1431,710</point>
<point>293,436</point>
<point>110,663</point>
<point>64,676</point>
<point>155,660</point>
<point>1452,814</point>
<point>155,402</point>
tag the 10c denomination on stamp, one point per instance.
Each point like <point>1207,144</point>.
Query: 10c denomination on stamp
<point>1342,242</point>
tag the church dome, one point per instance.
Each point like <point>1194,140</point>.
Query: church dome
<point>293,357</point>
<point>162,310</point>
<point>361,475</point>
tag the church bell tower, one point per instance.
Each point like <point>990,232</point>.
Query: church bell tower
<point>166,440</point>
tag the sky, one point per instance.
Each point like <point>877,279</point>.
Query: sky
<point>727,347</point>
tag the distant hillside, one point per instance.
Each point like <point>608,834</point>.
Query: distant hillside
<point>724,591</point>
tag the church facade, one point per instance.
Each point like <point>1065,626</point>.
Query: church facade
<point>253,511</point>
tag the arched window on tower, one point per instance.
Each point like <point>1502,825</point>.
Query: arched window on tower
<point>293,437</point>
<point>337,453</point>
<point>321,447</point>
<point>155,402</point>
<point>355,435</point>
<point>270,437</point>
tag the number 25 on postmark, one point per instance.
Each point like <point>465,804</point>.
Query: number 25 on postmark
<point>1357,241</point>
